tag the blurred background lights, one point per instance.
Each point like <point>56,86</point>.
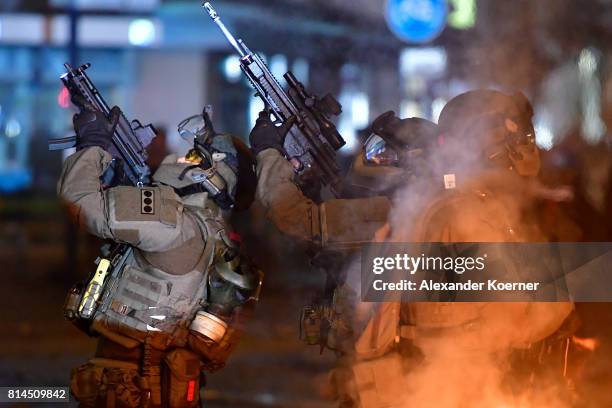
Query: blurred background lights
<point>278,66</point>
<point>429,61</point>
<point>231,68</point>
<point>410,109</point>
<point>360,110</point>
<point>346,129</point>
<point>436,108</point>
<point>587,62</point>
<point>355,117</point>
<point>63,98</point>
<point>545,138</point>
<point>256,105</point>
<point>463,14</point>
<point>593,128</point>
<point>417,21</point>
<point>141,32</point>
<point>301,70</point>
<point>13,128</point>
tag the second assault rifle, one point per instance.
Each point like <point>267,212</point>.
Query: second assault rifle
<point>312,142</point>
<point>128,167</point>
<point>129,141</point>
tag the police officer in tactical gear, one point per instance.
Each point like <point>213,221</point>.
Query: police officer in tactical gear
<point>394,154</point>
<point>173,308</point>
<point>491,140</point>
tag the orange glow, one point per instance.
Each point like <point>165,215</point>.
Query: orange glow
<point>586,343</point>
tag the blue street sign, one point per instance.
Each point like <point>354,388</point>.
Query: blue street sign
<point>416,21</point>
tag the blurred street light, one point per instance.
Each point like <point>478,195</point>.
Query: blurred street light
<point>13,128</point>
<point>231,68</point>
<point>142,32</point>
<point>278,66</point>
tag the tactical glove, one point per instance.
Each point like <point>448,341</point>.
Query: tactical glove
<point>265,135</point>
<point>93,128</point>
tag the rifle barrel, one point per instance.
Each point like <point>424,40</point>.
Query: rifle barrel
<point>217,20</point>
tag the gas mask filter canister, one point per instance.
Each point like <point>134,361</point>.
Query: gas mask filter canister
<point>209,326</point>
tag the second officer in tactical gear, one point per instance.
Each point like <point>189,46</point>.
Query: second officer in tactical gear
<point>173,303</point>
<point>394,154</point>
<point>491,139</point>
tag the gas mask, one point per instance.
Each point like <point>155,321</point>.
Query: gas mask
<point>511,143</point>
<point>522,149</point>
<point>231,284</point>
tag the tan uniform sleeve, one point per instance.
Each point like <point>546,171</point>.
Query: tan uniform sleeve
<point>290,211</point>
<point>336,223</point>
<point>152,219</point>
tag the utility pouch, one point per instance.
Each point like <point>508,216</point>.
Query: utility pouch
<point>214,354</point>
<point>85,384</point>
<point>181,379</point>
<point>105,383</point>
<point>71,308</point>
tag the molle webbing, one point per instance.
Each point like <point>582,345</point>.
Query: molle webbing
<point>148,300</point>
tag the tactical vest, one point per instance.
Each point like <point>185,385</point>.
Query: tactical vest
<point>146,303</point>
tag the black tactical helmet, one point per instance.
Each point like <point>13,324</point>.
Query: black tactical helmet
<point>495,124</point>
<point>395,150</point>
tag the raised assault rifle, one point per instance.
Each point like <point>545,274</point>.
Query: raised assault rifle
<point>129,141</point>
<point>312,142</point>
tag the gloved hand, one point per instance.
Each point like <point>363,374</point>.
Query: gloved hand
<point>93,128</point>
<point>267,136</point>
